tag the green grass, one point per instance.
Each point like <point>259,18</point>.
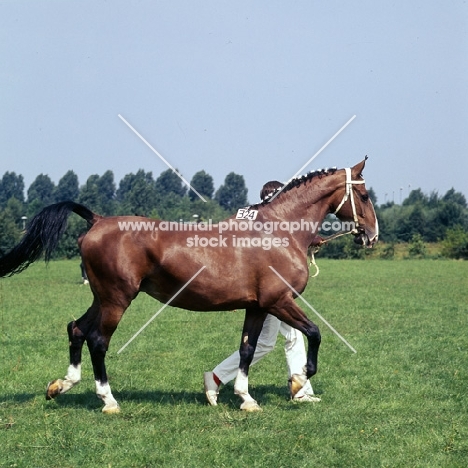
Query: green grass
<point>400,401</point>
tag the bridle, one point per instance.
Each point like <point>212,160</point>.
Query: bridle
<point>349,194</point>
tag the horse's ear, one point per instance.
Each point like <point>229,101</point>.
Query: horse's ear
<point>358,168</point>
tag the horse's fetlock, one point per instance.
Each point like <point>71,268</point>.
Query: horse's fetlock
<point>311,371</point>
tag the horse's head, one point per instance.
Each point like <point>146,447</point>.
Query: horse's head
<point>351,202</point>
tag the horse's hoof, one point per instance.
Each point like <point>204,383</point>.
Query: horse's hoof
<point>54,388</point>
<point>250,406</point>
<point>111,409</point>
<point>296,382</point>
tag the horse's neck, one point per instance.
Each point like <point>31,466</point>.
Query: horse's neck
<point>305,205</point>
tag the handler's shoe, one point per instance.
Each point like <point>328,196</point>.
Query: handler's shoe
<point>306,399</point>
<point>211,388</point>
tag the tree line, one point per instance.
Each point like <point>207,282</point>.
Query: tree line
<point>164,197</point>
<point>419,218</point>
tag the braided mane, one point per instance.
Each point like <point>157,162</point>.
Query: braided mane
<point>299,180</point>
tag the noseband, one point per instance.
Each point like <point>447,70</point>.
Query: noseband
<point>350,194</point>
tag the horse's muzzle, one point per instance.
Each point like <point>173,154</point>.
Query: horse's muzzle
<point>361,238</point>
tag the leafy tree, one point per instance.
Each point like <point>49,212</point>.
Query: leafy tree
<point>99,193</point>
<point>89,193</point>
<point>9,234</point>
<point>449,214</point>
<point>455,197</point>
<point>209,210</point>
<point>387,205</point>
<point>16,209</point>
<point>173,207</point>
<point>11,186</point>
<point>417,248</point>
<point>169,182</point>
<point>233,193</point>
<point>408,220</point>
<point>11,223</point>
<point>386,232</point>
<point>137,194</point>
<point>169,201</point>
<point>433,200</point>
<point>430,216</point>
<point>417,220</point>
<point>67,188</point>
<point>203,184</point>
<point>455,244</point>
<point>372,196</point>
<point>434,229</point>
<point>106,191</point>
<point>343,247</point>
<point>40,194</point>
<point>414,197</point>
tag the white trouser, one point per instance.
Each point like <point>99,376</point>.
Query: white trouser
<point>293,347</point>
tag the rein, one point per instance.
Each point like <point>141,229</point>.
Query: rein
<point>349,194</point>
<point>316,248</point>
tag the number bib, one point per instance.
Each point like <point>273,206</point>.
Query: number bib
<point>245,213</point>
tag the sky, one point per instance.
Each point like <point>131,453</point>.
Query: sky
<point>251,87</point>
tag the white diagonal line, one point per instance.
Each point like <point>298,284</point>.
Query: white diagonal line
<point>161,309</point>
<point>311,308</point>
<point>313,157</point>
<point>159,155</point>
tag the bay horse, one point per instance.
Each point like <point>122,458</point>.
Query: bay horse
<point>263,274</point>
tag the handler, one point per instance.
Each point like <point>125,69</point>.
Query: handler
<point>294,347</point>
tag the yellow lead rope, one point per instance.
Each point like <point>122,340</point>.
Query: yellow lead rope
<point>312,252</point>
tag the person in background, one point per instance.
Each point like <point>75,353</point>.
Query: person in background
<point>84,276</point>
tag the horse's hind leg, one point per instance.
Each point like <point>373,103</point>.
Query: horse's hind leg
<point>253,324</point>
<point>77,331</point>
<point>98,340</point>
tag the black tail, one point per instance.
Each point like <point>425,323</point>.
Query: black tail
<point>42,236</point>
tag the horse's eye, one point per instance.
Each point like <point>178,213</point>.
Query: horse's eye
<point>365,197</point>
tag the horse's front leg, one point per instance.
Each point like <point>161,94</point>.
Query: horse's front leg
<point>289,312</point>
<point>253,324</point>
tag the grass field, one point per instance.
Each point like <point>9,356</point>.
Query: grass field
<point>400,401</point>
